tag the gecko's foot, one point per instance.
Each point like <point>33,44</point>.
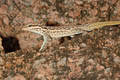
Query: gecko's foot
<point>40,50</point>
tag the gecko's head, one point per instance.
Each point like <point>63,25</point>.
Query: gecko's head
<point>31,28</point>
<point>27,28</point>
<point>34,29</point>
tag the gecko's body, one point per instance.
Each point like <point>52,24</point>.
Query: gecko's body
<point>49,32</point>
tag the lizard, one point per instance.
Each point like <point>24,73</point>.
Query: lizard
<point>50,32</point>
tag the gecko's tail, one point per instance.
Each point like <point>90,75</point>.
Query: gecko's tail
<point>101,24</point>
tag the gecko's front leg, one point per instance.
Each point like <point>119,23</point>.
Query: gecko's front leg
<point>46,38</point>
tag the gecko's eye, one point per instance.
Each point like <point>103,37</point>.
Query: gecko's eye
<point>30,25</point>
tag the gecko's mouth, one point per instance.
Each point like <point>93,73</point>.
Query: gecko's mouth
<point>25,28</point>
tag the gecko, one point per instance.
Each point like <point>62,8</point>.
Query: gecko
<point>50,32</point>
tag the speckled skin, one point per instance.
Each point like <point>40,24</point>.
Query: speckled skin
<point>55,32</point>
<point>49,32</point>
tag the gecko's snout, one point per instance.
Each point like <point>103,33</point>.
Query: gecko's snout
<point>26,28</point>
